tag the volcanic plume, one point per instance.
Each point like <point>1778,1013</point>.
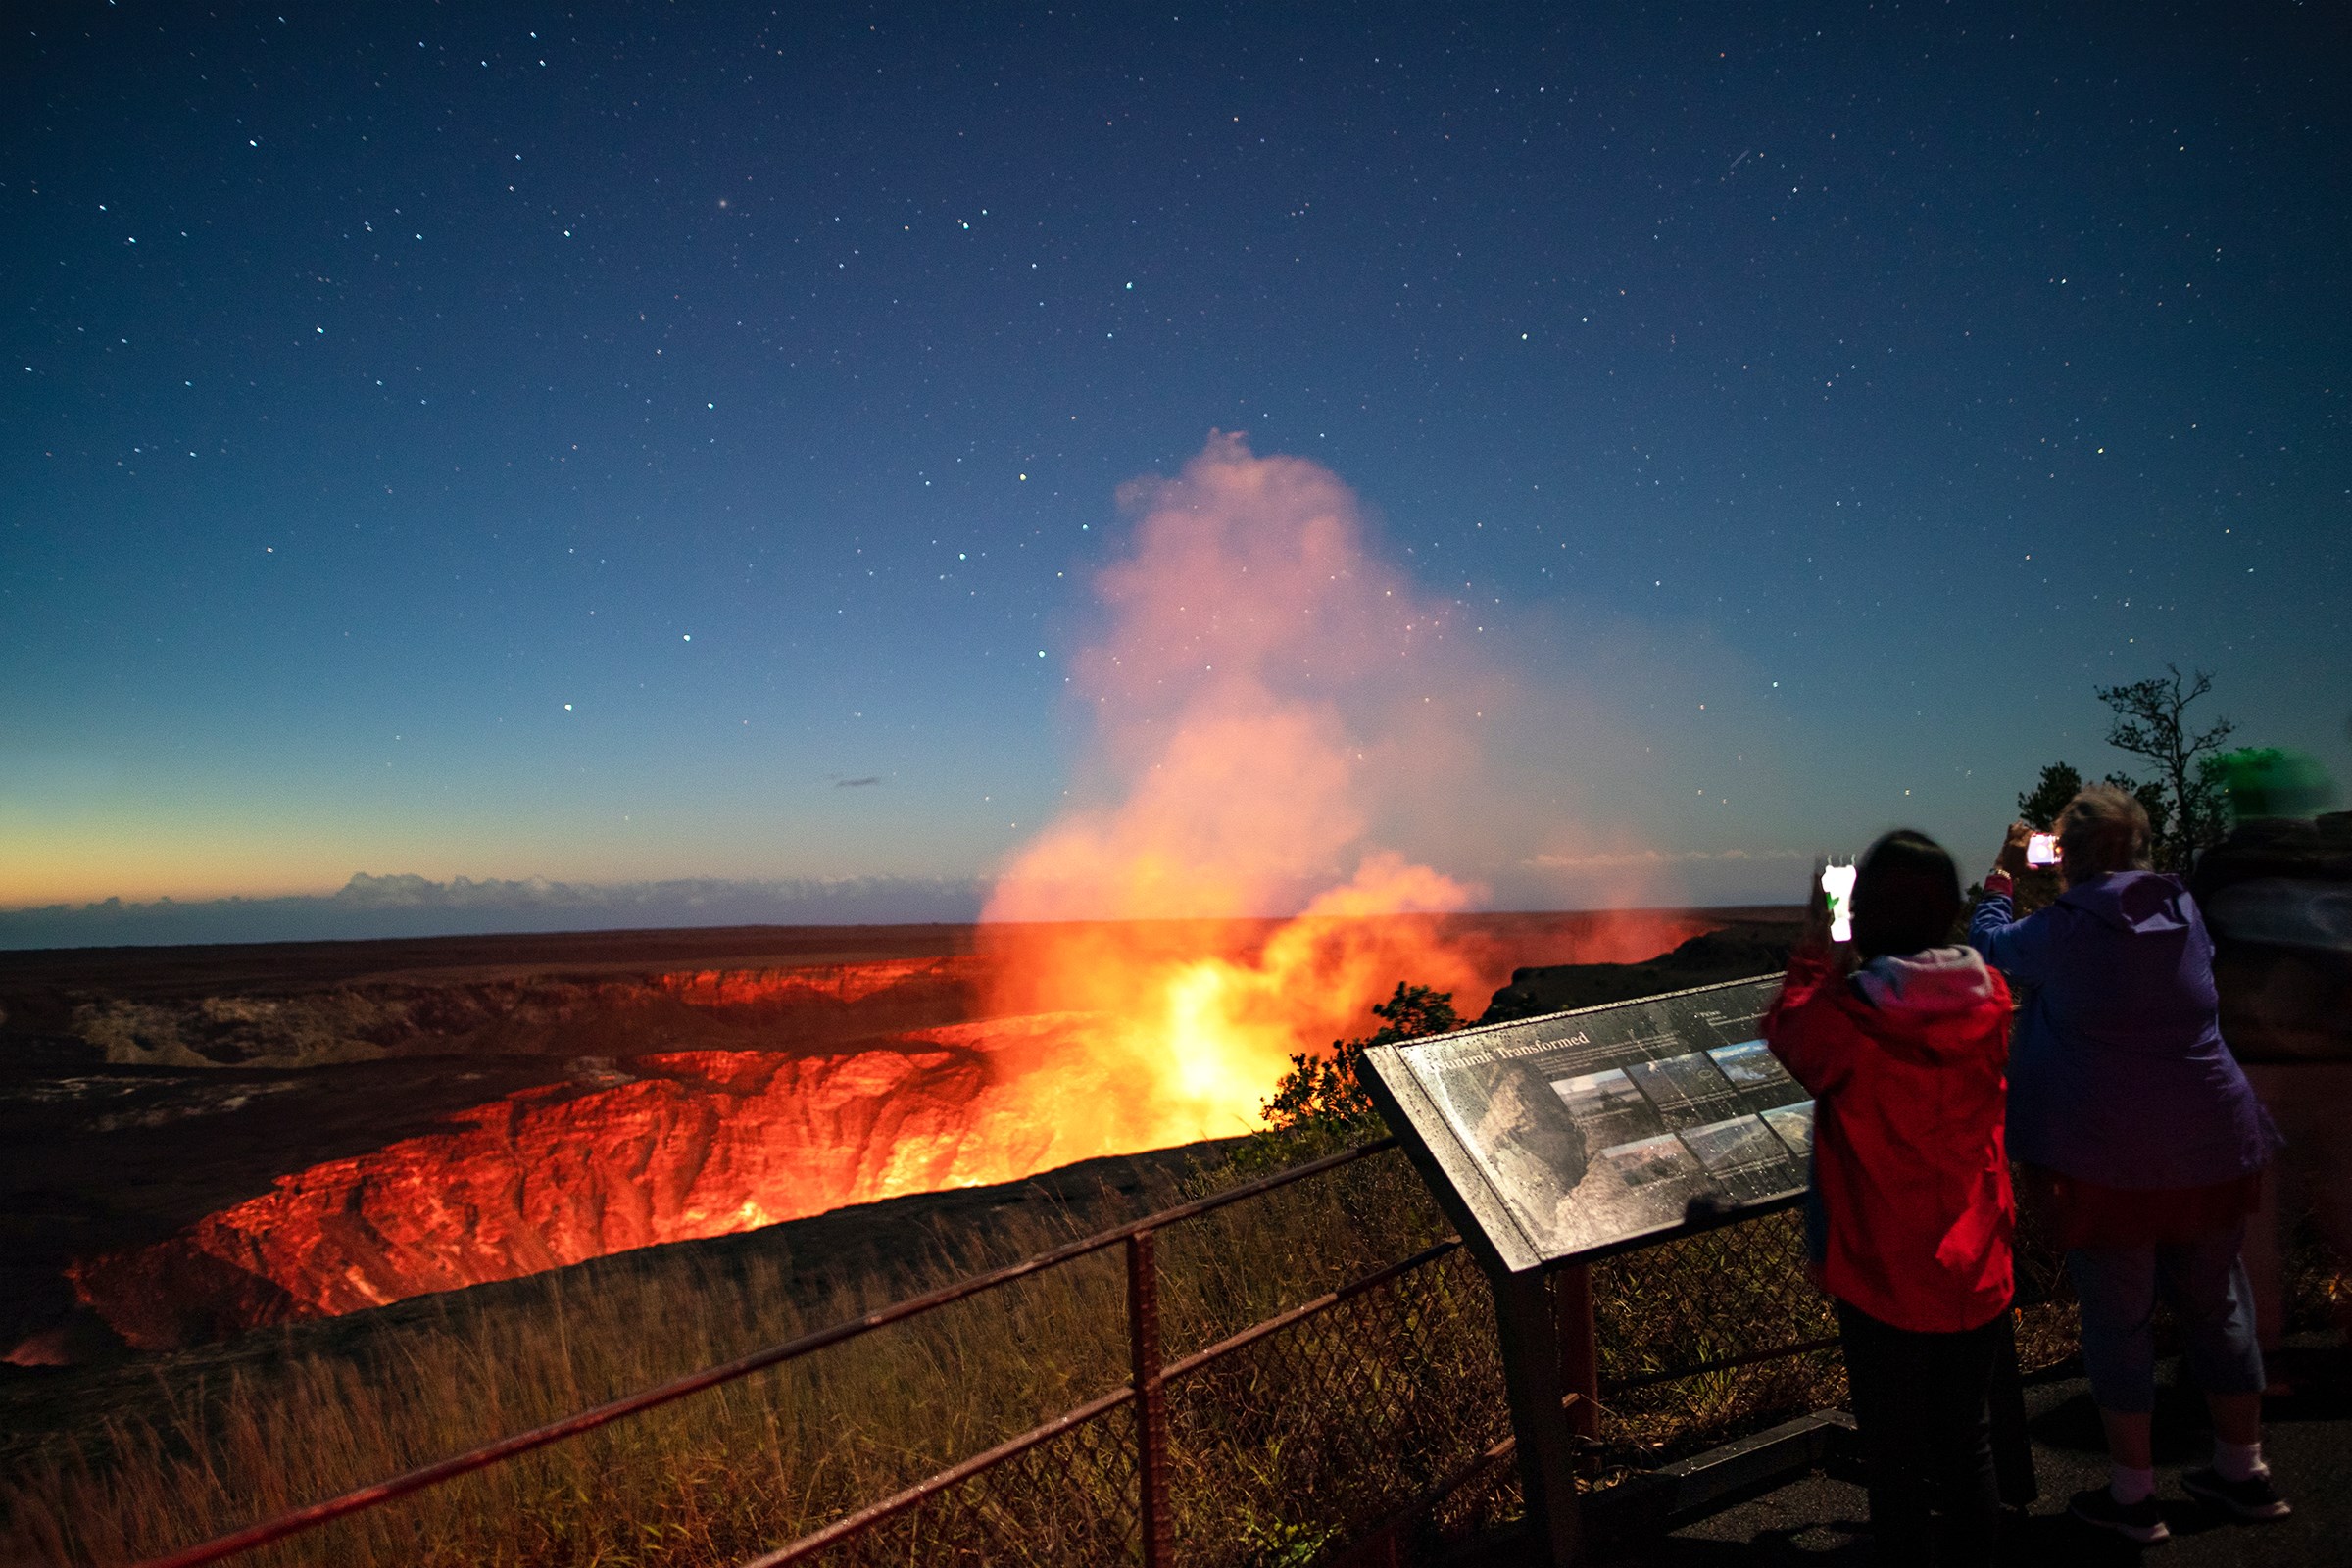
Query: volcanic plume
<point>1263,691</point>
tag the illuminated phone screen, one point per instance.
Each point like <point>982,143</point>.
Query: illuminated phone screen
<point>1837,885</point>
<point>2041,849</point>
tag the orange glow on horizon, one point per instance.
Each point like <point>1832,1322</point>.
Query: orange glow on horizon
<point>38,870</point>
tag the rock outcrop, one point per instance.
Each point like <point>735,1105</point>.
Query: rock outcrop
<point>1733,951</point>
<point>654,1149</point>
<point>798,1008</point>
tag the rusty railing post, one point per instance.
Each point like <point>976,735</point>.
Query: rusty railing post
<point>1580,1346</point>
<point>1153,1519</point>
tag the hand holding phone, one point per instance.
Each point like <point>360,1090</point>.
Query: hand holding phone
<point>2011,862</point>
<point>1838,892</point>
<point>2041,849</point>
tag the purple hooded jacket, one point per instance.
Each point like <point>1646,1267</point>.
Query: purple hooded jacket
<point>2118,1074</point>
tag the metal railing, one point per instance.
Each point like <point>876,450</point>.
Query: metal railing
<point>1241,1384</point>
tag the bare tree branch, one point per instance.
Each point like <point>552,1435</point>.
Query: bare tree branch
<point>2152,722</point>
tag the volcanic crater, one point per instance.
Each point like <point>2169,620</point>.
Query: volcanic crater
<point>198,1142</point>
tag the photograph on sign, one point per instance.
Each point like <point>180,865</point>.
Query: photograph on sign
<point>1795,1124</point>
<point>1596,1127</point>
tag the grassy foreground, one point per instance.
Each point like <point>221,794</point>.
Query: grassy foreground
<point>1277,1452</point>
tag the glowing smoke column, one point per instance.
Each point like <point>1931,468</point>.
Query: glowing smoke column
<point>1255,671</point>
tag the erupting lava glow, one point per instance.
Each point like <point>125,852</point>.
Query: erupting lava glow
<point>676,1145</point>
<point>1263,688</point>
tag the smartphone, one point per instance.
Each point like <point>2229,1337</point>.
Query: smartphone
<point>1838,887</point>
<point>2041,848</point>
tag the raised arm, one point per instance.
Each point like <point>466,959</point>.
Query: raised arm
<point>1804,1027</point>
<point>2019,948</point>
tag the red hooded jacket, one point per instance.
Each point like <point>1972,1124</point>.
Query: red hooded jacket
<point>1907,1063</point>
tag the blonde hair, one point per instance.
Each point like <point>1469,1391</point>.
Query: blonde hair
<point>2103,829</point>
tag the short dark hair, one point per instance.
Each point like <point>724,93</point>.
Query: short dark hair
<point>1906,895</point>
<point>2103,829</point>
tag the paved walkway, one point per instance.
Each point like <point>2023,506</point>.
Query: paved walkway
<point>2307,1438</point>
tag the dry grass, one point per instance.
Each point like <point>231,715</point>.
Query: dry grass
<point>733,1471</point>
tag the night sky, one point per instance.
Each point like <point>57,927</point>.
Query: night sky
<point>644,442</point>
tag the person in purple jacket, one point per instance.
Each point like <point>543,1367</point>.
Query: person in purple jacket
<point>2145,1142</point>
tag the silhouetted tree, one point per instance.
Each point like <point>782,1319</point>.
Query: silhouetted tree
<point>1324,1095</point>
<point>2039,805</point>
<point>2152,722</point>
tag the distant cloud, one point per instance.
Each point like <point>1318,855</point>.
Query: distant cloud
<point>408,906</point>
<point>856,783</point>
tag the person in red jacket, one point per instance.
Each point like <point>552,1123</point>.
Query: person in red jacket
<point>1904,1042</point>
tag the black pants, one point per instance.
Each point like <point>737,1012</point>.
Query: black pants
<point>2012,1445</point>
<point>1920,1401</point>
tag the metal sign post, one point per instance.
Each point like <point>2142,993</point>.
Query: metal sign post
<point>1534,1383</point>
<point>1580,1345</point>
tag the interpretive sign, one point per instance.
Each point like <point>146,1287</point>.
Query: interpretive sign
<point>1564,1135</point>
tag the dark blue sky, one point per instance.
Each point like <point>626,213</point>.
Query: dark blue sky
<point>381,380</point>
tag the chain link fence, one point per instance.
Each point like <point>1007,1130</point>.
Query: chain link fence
<point>1294,1445</point>
<point>1068,1500</point>
<point>1705,1334</point>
